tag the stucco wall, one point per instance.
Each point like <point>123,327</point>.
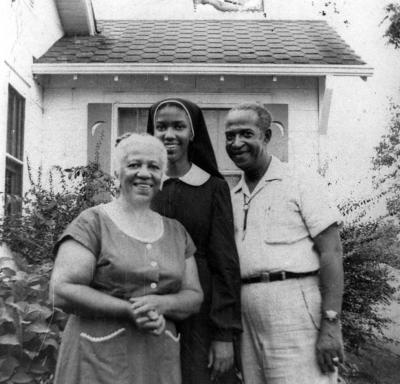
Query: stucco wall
<point>64,131</point>
<point>27,31</point>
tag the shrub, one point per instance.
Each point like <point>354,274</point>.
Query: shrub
<point>30,328</point>
<point>369,246</point>
<point>47,211</point>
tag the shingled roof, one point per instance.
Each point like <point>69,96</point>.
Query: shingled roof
<point>206,41</point>
<point>246,47</point>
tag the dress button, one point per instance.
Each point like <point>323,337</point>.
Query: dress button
<point>153,285</point>
<point>148,246</point>
<point>154,264</point>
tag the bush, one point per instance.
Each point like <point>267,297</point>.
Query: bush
<point>30,328</point>
<point>47,211</point>
<point>369,246</point>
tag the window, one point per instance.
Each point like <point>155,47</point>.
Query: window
<point>14,151</point>
<point>132,120</point>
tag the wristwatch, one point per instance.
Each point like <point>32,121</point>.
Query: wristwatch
<point>331,316</point>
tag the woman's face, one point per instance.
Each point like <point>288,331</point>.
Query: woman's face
<point>173,128</point>
<point>140,173</point>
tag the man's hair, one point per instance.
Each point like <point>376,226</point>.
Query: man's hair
<point>264,118</point>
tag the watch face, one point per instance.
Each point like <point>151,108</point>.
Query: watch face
<point>331,315</point>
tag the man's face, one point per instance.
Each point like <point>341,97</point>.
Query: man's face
<point>246,143</point>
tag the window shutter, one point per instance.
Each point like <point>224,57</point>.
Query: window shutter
<point>279,144</point>
<point>99,135</point>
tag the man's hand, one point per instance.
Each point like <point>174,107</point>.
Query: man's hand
<point>329,346</point>
<point>220,358</point>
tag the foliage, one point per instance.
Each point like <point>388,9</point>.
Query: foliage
<point>30,327</point>
<point>393,30</point>
<point>47,211</point>
<point>387,162</point>
<point>372,244</point>
<point>369,246</point>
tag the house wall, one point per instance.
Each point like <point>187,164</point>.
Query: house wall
<point>65,100</point>
<point>28,29</point>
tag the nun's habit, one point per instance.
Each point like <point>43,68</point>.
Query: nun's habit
<point>200,200</point>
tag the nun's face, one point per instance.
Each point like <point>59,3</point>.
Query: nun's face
<point>173,128</point>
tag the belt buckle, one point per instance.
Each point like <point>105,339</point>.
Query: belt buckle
<point>264,276</point>
<point>283,275</point>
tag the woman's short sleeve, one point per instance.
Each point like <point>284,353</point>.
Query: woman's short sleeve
<point>190,248</point>
<point>180,233</point>
<point>85,229</point>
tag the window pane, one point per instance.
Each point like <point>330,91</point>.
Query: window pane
<point>15,123</point>
<point>132,120</point>
<point>13,187</point>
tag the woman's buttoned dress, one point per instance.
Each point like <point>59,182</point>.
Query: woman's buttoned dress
<point>202,204</point>
<point>111,350</point>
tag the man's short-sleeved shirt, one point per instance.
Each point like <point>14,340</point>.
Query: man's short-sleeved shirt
<point>285,212</point>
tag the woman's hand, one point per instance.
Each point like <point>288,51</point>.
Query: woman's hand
<point>153,323</point>
<point>145,315</point>
<point>142,305</point>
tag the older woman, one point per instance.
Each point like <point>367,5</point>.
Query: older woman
<point>124,273</point>
<point>195,194</point>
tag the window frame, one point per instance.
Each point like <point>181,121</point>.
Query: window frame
<point>16,108</point>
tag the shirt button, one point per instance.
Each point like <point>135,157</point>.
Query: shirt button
<point>148,246</point>
<point>154,264</point>
<point>153,285</point>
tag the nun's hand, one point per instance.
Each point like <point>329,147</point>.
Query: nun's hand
<point>220,358</point>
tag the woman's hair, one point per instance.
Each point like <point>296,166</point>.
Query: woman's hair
<point>127,142</point>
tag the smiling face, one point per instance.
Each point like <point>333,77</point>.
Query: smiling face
<point>140,173</point>
<point>173,128</point>
<point>246,142</point>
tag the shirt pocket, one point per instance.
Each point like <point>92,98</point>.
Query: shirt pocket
<point>283,224</point>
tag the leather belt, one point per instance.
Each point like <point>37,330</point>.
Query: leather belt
<point>267,277</point>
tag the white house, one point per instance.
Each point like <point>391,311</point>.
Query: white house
<point>97,81</point>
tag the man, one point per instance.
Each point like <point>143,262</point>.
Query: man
<point>290,258</point>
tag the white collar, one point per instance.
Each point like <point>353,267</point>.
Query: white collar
<point>275,171</point>
<point>195,176</point>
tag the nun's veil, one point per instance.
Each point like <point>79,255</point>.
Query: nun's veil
<point>200,149</point>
